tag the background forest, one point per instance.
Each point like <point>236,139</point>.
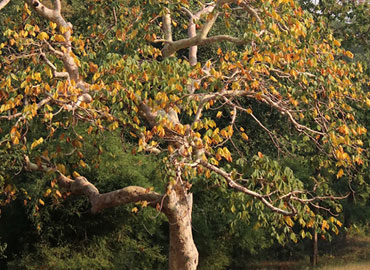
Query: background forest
<point>42,228</point>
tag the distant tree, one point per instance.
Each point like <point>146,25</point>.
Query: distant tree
<point>132,68</point>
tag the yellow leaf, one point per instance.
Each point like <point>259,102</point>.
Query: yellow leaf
<point>249,111</point>
<point>245,136</point>
<point>63,29</point>
<point>336,42</point>
<point>75,174</point>
<point>288,221</point>
<point>41,202</point>
<point>61,168</point>
<point>37,76</point>
<point>47,192</point>
<point>82,163</point>
<point>134,210</point>
<point>59,38</point>
<point>219,114</point>
<point>37,142</point>
<point>171,149</point>
<point>349,54</point>
<point>58,194</point>
<point>368,102</point>
<point>324,225</point>
<point>43,36</point>
<point>340,173</point>
<point>343,129</point>
<point>144,203</point>
<point>16,140</point>
<point>52,25</point>
<point>273,78</point>
<point>96,76</point>
<point>26,9</point>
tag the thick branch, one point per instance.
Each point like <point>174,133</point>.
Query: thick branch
<point>166,22</point>
<point>192,32</point>
<point>175,46</point>
<point>99,202</point>
<point>54,15</point>
<point>57,6</point>
<point>4,3</point>
<point>195,39</point>
<point>220,38</point>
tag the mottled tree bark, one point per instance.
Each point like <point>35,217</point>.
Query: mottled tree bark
<point>183,252</point>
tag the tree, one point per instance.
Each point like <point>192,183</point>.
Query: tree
<point>124,70</point>
<point>349,21</point>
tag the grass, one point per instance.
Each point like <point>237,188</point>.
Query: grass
<point>348,266</point>
<point>351,254</point>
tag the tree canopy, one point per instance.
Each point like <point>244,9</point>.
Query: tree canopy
<point>223,92</point>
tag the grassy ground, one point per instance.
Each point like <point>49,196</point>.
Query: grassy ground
<point>348,266</point>
<point>352,254</point>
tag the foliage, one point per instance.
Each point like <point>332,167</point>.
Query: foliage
<point>64,235</point>
<point>276,87</point>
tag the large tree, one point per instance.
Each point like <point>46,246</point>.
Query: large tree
<point>188,81</point>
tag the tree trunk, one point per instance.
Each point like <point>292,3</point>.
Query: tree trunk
<point>315,252</point>
<point>183,252</point>
<point>347,215</point>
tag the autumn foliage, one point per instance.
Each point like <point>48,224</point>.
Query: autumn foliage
<point>188,81</point>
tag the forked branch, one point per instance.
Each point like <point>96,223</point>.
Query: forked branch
<point>81,186</point>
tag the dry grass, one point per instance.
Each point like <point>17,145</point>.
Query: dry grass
<point>350,266</point>
<point>354,254</point>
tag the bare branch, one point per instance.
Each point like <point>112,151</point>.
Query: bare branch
<point>220,38</point>
<point>288,112</point>
<point>54,69</point>
<point>53,50</point>
<point>252,12</point>
<point>247,191</point>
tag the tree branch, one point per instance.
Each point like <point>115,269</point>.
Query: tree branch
<point>195,39</point>
<point>54,69</point>
<point>54,15</point>
<point>4,3</point>
<point>247,191</point>
<point>81,186</point>
<point>192,30</point>
<point>252,11</point>
<point>39,105</point>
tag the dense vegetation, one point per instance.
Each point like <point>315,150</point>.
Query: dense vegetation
<point>239,123</point>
